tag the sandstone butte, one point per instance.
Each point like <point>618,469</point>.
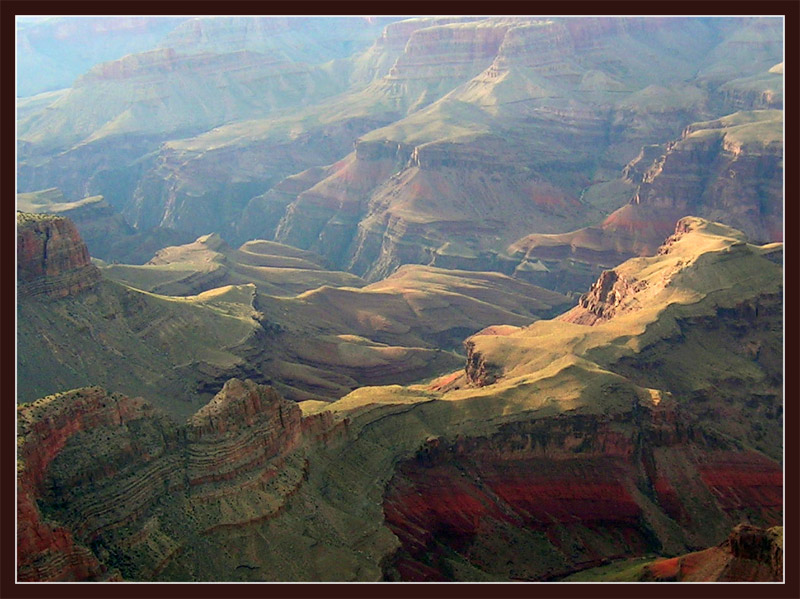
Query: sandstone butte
<point>563,445</point>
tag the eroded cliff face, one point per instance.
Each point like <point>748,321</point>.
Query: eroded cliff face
<point>570,493</point>
<point>522,117</point>
<point>193,188</point>
<point>509,151</point>
<point>111,488</point>
<point>728,170</point>
<point>52,259</point>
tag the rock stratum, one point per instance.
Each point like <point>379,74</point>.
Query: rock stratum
<point>235,447</point>
<point>537,461</point>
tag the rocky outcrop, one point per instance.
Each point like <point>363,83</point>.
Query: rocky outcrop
<point>107,235</point>
<point>749,554</point>
<point>604,300</point>
<point>52,259</point>
<point>110,488</point>
<point>46,550</point>
<point>477,370</point>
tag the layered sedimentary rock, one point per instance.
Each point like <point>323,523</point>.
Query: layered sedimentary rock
<point>209,262</point>
<point>566,494</point>
<point>729,170</point>
<point>524,140</point>
<point>122,488</point>
<point>75,327</point>
<point>52,259</point>
<point>667,463</point>
<point>142,100</point>
<point>528,119</point>
<point>107,234</point>
<point>204,184</point>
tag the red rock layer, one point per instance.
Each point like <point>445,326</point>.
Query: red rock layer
<point>45,550</point>
<point>52,259</point>
<point>575,488</point>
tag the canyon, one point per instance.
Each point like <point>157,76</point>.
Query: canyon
<point>533,462</point>
<point>434,299</point>
<point>175,329</point>
<point>456,143</point>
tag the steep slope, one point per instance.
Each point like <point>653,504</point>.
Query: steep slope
<point>469,134</point>
<point>248,159</point>
<point>75,328</point>
<point>697,433</point>
<point>141,100</point>
<point>325,331</point>
<point>562,446</point>
<point>52,260</point>
<point>175,329</point>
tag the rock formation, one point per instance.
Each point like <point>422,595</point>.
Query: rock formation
<point>469,135</point>
<point>52,259</point>
<point>175,329</point>
<point>108,485</point>
<point>749,554</point>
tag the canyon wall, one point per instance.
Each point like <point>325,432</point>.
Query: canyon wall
<point>111,488</point>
